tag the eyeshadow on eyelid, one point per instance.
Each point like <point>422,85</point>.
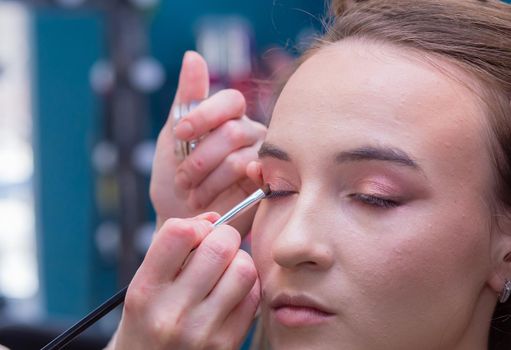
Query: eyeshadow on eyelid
<point>276,185</point>
<point>377,186</point>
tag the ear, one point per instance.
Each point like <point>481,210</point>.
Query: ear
<point>501,253</point>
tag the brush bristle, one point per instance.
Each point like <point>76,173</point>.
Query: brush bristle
<point>266,189</point>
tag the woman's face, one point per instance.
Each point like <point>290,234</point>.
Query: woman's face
<point>379,234</point>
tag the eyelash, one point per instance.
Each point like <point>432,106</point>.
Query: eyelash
<point>375,201</point>
<point>368,199</point>
<point>276,194</point>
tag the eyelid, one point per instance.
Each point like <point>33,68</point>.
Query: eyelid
<point>276,181</point>
<point>377,187</point>
<point>376,200</point>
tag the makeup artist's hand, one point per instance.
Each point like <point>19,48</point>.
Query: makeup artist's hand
<point>213,177</point>
<point>178,300</point>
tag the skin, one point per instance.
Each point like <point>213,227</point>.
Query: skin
<point>399,244</point>
<point>420,273</point>
<point>213,177</point>
<point>173,301</point>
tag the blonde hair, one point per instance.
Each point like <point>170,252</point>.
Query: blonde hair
<point>474,35</point>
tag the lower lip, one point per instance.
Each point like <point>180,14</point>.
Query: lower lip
<point>294,316</point>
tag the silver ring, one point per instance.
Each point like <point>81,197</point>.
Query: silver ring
<point>182,149</point>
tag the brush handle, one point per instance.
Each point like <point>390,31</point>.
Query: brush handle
<point>66,337</point>
<point>248,203</point>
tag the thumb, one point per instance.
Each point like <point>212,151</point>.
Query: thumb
<point>193,79</point>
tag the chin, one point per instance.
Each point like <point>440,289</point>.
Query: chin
<point>298,337</point>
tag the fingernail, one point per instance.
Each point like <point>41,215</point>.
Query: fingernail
<point>185,56</point>
<point>184,129</point>
<point>182,180</point>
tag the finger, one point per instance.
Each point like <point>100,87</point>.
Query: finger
<point>210,114</point>
<point>238,322</point>
<point>208,264</point>
<point>229,172</point>
<point>209,216</point>
<point>255,172</point>
<point>193,79</point>
<point>233,287</point>
<point>211,152</point>
<point>170,247</point>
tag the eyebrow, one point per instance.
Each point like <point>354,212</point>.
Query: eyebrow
<point>386,154</point>
<point>364,153</point>
<point>269,150</point>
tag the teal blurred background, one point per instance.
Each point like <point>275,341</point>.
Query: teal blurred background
<point>69,122</point>
<point>86,87</point>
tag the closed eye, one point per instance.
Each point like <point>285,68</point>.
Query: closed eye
<point>276,194</point>
<point>375,201</point>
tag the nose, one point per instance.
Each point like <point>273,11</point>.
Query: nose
<point>303,242</point>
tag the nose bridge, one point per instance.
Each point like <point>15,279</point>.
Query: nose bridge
<point>301,241</point>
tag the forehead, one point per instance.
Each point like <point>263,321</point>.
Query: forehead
<point>352,93</point>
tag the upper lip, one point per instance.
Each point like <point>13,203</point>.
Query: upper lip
<point>299,300</point>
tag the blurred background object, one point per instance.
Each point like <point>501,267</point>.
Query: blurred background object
<point>85,86</point>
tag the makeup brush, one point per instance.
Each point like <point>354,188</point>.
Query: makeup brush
<point>66,337</point>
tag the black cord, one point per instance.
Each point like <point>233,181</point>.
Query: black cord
<point>65,338</point>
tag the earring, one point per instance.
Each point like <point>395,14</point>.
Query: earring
<point>506,292</point>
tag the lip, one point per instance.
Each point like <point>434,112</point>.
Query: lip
<point>299,310</point>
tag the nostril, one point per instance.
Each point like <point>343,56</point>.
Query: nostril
<point>294,256</point>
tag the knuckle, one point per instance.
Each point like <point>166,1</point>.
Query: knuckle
<point>234,133</point>
<point>170,224</point>
<point>196,164</point>
<point>236,163</point>
<point>246,271</point>
<point>197,117</point>
<point>245,258</point>
<point>237,100</point>
<point>218,250</point>
<point>135,301</point>
<point>195,200</point>
<point>186,232</point>
<point>179,229</point>
<point>259,128</point>
<point>164,330</point>
<point>231,235</point>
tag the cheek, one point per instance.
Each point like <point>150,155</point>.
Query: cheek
<point>425,258</point>
<point>267,224</point>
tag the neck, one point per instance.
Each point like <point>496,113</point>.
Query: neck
<point>475,337</point>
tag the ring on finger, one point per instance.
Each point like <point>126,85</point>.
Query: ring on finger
<point>182,149</point>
